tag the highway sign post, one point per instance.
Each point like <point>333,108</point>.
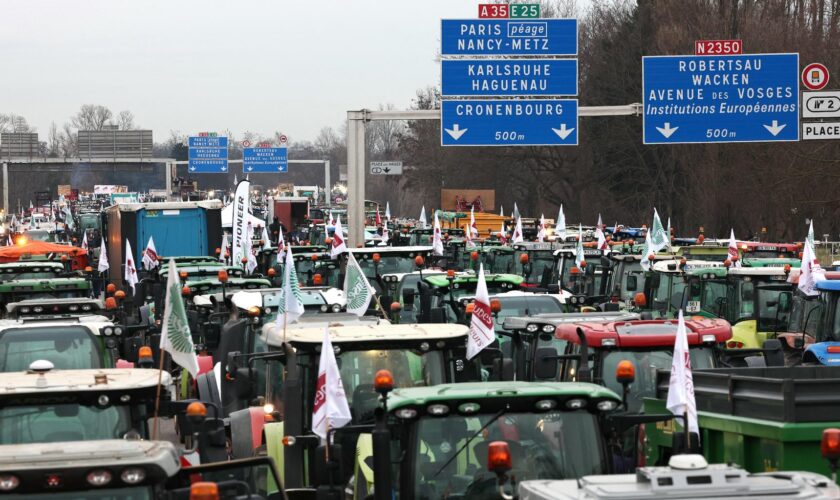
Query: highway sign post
<point>509,77</point>
<point>261,160</point>
<point>208,154</point>
<point>386,167</point>
<point>497,37</point>
<point>499,122</point>
<point>738,98</point>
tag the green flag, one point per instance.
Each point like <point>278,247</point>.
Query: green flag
<point>176,338</point>
<point>658,238</point>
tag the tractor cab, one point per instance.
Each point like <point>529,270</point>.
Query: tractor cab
<point>377,262</point>
<point>37,288</point>
<point>534,261</point>
<point>765,250</point>
<point>551,429</point>
<point>31,270</point>
<point>591,351</point>
<point>48,405</point>
<point>69,333</point>
<point>755,300</point>
<point>440,296</point>
<point>106,468</point>
<point>667,285</point>
<point>588,281</point>
<point>283,377</point>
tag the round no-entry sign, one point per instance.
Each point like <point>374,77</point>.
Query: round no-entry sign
<point>815,76</point>
<point>246,143</point>
<point>283,139</point>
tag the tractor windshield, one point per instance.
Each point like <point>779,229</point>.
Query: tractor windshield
<point>48,423</point>
<point>554,445</point>
<point>410,368</point>
<point>647,362</point>
<point>67,348</point>
<point>539,261</point>
<point>773,309</point>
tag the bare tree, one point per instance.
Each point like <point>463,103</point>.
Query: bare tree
<point>53,141</point>
<point>11,122</point>
<point>125,120</point>
<point>91,117</point>
<point>69,143</point>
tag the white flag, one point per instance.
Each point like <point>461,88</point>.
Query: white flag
<point>482,333</point>
<point>646,252</point>
<point>501,211</point>
<point>130,274</point>
<point>515,211</point>
<point>251,263</point>
<point>150,256</point>
<point>175,337</point>
<point>339,246</point>
<point>356,287</point>
<point>388,211</point>
<point>437,239</point>
<point>473,229</point>
<point>223,251</point>
<point>423,223</point>
<point>329,407</point>
<point>241,210</point>
<point>290,307</point>
<point>810,271</point>
<point>503,233</point>
<point>681,386</point>
<point>560,227</point>
<point>658,238</point>
<point>266,239</point>
<point>541,230</point>
<point>602,241</point>
<point>517,232</point>
<point>84,240</point>
<point>103,257</point>
<point>600,224</point>
<point>810,237</point>
<point>580,258</point>
<point>733,249</point>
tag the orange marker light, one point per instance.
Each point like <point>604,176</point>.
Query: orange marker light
<point>498,457</point>
<point>523,259</point>
<point>495,305</point>
<point>419,261</point>
<point>196,409</point>
<point>474,256</point>
<point>144,352</point>
<point>830,444</point>
<point>383,381</point>
<point>376,258</point>
<point>204,491</point>
<point>640,299</point>
<point>625,372</point>
<point>119,295</point>
<point>111,288</point>
<point>110,303</point>
<point>222,275</point>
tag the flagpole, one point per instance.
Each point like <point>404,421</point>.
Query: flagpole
<point>155,423</point>
<point>687,432</point>
<point>379,304</point>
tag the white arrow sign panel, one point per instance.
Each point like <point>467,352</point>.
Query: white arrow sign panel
<point>386,167</point>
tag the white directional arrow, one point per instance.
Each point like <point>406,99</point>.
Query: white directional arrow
<point>775,128</point>
<point>563,132</point>
<point>250,169</point>
<point>192,169</point>
<point>456,132</point>
<point>667,131</point>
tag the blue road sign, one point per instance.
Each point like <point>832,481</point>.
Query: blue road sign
<point>509,37</point>
<point>744,98</point>
<point>499,122</point>
<point>208,155</point>
<point>265,160</point>
<point>509,77</point>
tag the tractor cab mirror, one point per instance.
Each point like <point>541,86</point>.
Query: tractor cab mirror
<point>437,315</point>
<point>784,302</point>
<point>631,284</point>
<point>553,288</point>
<point>545,363</point>
<point>408,297</point>
<point>799,342</point>
<point>655,279</point>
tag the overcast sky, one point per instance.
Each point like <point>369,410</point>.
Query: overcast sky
<point>288,65</point>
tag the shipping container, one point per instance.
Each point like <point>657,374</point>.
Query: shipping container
<point>178,228</point>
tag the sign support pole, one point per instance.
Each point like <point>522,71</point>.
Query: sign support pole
<point>6,187</point>
<point>356,152</point>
